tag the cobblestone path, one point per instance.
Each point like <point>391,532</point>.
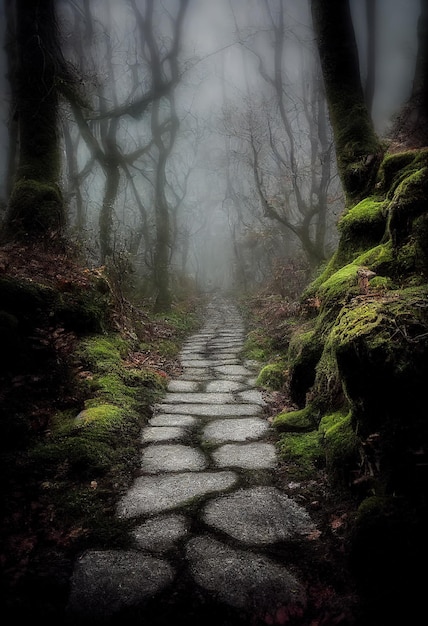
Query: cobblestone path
<point>209,526</point>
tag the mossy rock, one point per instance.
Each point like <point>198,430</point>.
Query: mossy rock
<point>408,203</point>
<point>303,420</point>
<point>361,227</point>
<point>104,353</point>
<point>272,376</point>
<point>258,346</point>
<point>304,353</point>
<point>381,348</point>
<point>339,287</point>
<point>341,446</point>
<point>88,458</point>
<point>398,166</point>
<point>327,392</point>
<point>303,451</point>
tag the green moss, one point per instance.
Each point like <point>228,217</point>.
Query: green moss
<point>104,417</point>
<point>303,355</point>
<point>164,347</point>
<point>341,446</point>
<point>381,284</point>
<point>330,420</point>
<point>408,203</point>
<point>362,227</point>
<point>81,455</point>
<point>379,259</point>
<point>381,349</point>
<point>103,353</point>
<point>396,167</point>
<point>36,208</point>
<point>258,346</point>
<point>297,421</point>
<point>272,376</point>
<point>327,392</point>
<point>302,452</point>
<point>339,286</point>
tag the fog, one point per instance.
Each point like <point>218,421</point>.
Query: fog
<point>231,155</point>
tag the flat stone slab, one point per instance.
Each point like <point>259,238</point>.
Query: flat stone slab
<point>195,362</point>
<point>218,362</point>
<point>218,386</point>
<point>252,395</point>
<point>106,582</point>
<point>153,494</point>
<point>172,420</point>
<point>195,374</point>
<point>240,429</point>
<point>251,456</point>
<point>172,458</point>
<point>183,385</point>
<point>258,516</point>
<point>244,580</point>
<point>162,433</point>
<point>161,533</point>
<point>211,410</point>
<point>198,398</point>
<point>232,370</point>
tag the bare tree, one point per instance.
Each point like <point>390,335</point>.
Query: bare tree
<point>292,156</point>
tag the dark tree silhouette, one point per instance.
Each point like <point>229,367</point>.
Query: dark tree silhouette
<point>358,149</point>
<point>36,205</point>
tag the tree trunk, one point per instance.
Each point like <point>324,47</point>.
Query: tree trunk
<point>106,214</point>
<point>36,205</point>
<point>358,149</point>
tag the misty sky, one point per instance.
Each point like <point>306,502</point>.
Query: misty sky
<point>221,44</point>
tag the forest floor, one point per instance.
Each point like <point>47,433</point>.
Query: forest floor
<point>38,547</point>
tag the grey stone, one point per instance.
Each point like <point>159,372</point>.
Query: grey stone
<point>195,374</point>
<point>232,370</point>
<point>153,494</point>
<point>258,516</point>
<point>249,456</point>
<point>240,429</point>
<point>243,579</point>
<point>252,395</point>
<point>212,410</point>
<point>162,433</point>
<point>161,533</point>
<point>198,363</point>
<point>172,420</point>
<point>172,458</point>
<point>183,385</point>
<point>106,582</point>
<point>198,398</point>
<point>218,386</point>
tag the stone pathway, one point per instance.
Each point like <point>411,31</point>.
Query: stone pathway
<point>208,524</point>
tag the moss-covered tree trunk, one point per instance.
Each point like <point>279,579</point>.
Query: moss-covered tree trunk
<point>36,205</point>
<point>358,148</point>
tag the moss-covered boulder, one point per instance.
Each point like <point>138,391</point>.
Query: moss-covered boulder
<point>363,368</point>
<point>272,376</point>
<point>301,420</point>
<point>303,355</point>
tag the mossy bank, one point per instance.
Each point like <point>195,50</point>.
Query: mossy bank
<point>357,368</point>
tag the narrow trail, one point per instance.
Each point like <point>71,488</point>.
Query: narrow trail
<point>216,541</point>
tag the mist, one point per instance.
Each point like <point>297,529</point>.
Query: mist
<point>233,139</point>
